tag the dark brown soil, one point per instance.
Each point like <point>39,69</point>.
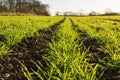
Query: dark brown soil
<point>114,20</point>
<point>30,48</point>
<point>3,38</point>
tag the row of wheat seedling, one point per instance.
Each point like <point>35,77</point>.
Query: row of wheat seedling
<point>108,35</point>
<point>65,60</point>
<point>13,29</point>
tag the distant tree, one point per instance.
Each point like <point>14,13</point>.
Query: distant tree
<point>10,2</point>
<point>3,9</point>
<point>81,12</point>
<point>93,13</point>
<point>69,13</point>
<point>65,13</point>
<point>57,13</point>
<point>108,11</point>
<point>41,9</point>
<point>24,6</point>
<point>18,5</point>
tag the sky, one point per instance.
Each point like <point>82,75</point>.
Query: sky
<point>85,6</point>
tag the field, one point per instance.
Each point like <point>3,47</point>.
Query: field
<point>59,48</point>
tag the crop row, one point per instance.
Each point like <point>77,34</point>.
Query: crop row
<point>13,29</point>
<point>65,58</point>
<point>105,37</point>
<point>82,48</point>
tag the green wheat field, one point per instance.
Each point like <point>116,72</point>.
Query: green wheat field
<point>59,48</point>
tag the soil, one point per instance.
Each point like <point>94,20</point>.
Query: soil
<point>114,20</point>
<point>30,48</point>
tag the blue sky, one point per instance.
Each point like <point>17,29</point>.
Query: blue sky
<point>85,5</point>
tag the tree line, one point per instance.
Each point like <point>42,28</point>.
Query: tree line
<point>108,12</point>
<point>24,6</point>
